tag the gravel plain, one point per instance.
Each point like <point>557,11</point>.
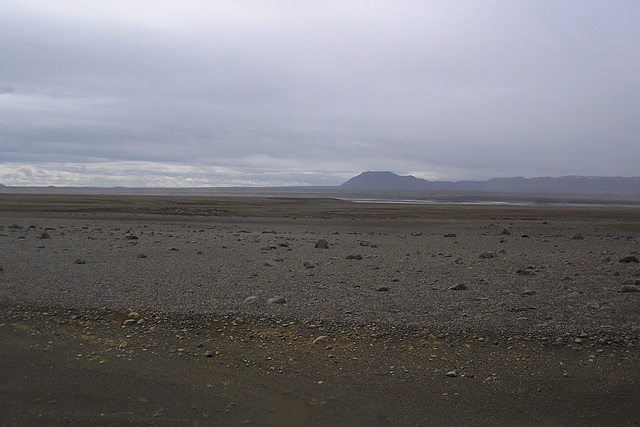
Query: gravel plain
<point>536,309</point>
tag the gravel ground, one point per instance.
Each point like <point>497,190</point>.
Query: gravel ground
<point>114,318</point>
<point>537,278</point>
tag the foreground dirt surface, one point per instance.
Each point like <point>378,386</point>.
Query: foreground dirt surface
<point>224,312</point>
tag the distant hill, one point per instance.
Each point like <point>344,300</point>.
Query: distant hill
<point>544,185</point>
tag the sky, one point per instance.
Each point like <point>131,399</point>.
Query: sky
<point>190,93</point>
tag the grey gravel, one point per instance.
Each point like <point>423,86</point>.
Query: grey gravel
<point>414,255</point>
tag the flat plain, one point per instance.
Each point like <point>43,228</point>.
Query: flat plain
<point>315,311</point>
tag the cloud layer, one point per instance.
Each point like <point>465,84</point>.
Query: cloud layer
<point>158,93</point>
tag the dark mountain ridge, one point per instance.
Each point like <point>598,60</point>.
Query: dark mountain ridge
<point>389,181</point>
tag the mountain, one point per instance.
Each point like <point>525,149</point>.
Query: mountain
<point>389,181</point>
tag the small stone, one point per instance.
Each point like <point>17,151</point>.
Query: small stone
<point>142,256</point>
<point>132,237</point>
<point>354,256</point>
<point>636,273</point>
<point>253,299</point>
<point>578,340</point>
<point>528,292</point>
<point>382,289</point>
<point>321,338</point>
<point>629,288</point>
<point>209,353</point>
<point>133,315</point>
<point>80,261</point>
<point>577,237</point>
<point>450,235</point>
<point>452,374</point>
<point>486,255</point>
<point>322,244</point>
<point>629,258</point>
<point>277,300</point>
<point>45,235</point>
<point>522,272</point>
<point>458,287</point>
<point>593,305</point>
<point>129,322</point>
<point>505,232</point>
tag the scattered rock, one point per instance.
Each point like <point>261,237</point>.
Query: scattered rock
<point>577,237</point>
<point>631,282</point>
<point>629,288</point>
<point>528,292</point>
<point>636,273</point>
<point>307,264</point>
<point>458,287</point>
<point>382,289</point>
<point>277,300</point>
<point>450,235</point>
<point>131,237</point>
<point>487,255</point>
<point>142,256</point>
<point>524,272</point>
<point>629,258</point>
<point>80,261</point>
<point>322,244</point>
<point>209,353</point>
<point>133,315</point>
<point>45,235</point>
<point>506,232</point>
<point>253,299</point>
<point>593,305</point>
<point>452,374</point>
<point>354,256</point>
<point>129,322</point>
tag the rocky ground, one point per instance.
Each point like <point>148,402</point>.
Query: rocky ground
<point>498,318</point>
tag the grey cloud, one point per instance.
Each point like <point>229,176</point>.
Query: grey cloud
<point>452,91</point>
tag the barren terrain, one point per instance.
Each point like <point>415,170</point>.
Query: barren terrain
<point>284,311</point>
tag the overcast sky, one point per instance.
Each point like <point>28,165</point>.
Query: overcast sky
<point>216,93</point>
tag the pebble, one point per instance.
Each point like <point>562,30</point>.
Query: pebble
<point>382,289</point>
<point>321,338</point>
<point>486,255</point>
<point>458,287</point>
<point>277,300</point>
<point>80,261</point>
<point>636,273</point>
<point>452,374</point>
<point>354,256</point>
<point>629,288</point>
<point>450,235</point>
<point>253,299</point>
<point>577,237</point>
<point>528,292</point>
<point>142,256</point>
<point>629,258</point>
<point>322,244</point>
